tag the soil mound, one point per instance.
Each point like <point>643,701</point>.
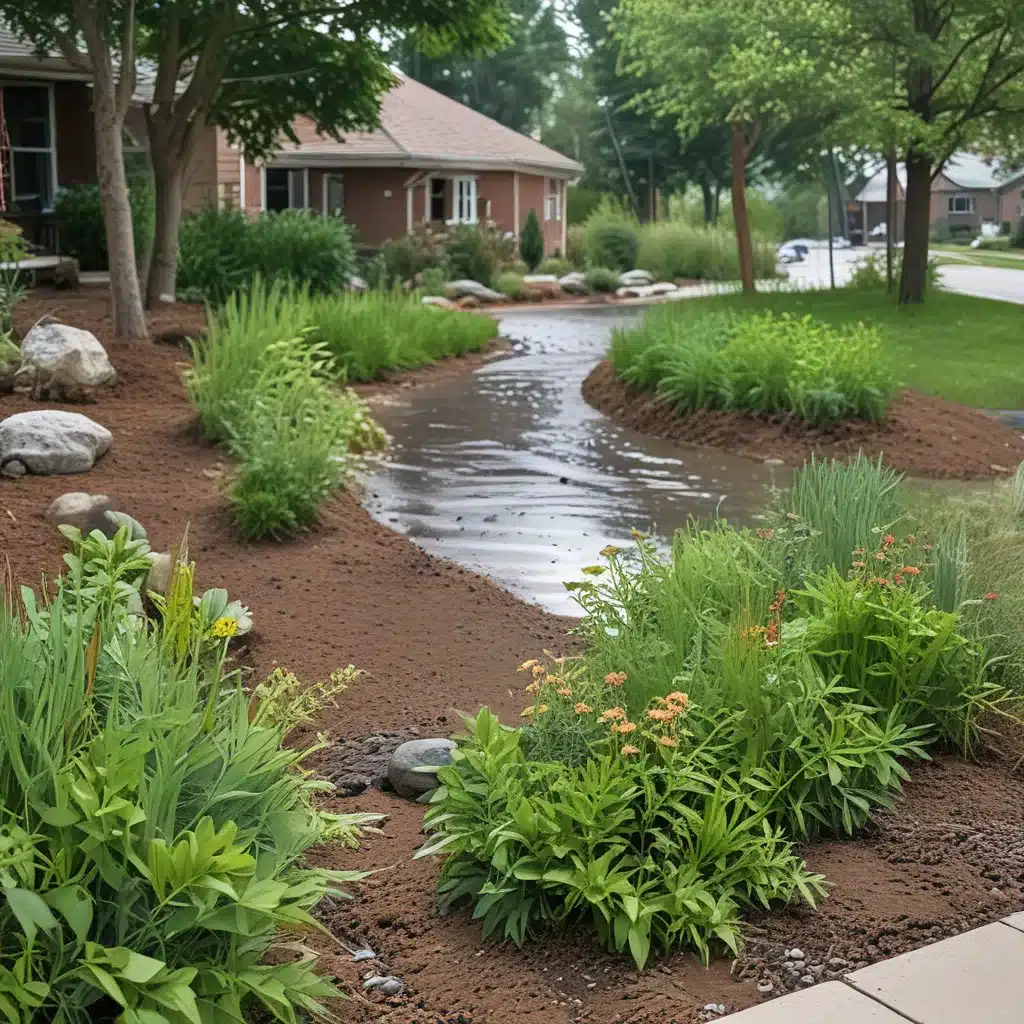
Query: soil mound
<point>923,436</point>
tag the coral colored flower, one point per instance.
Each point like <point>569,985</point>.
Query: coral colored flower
<point>661,715</point>
<point>628,749</point>
<point>859,565</point>
<point>541,708</point>
<point>615,678</point>
<point>538,670</point>
<point>888,540</point>
<point>897,579</point>
<point>533,688</point>
<point>766,534</point>
<point>582,709</point>
<point>609,550</point>
<point>527,665</point>
<point>882,581</point>
<point>677,698</point>
<point>612,714</point>
<point>667,741</point>
<point>564,691</point>
<point>625,728</point>
<point>991,596</point>
<point>859,551</point>
<point>910,570</point>
<point>551,680</point>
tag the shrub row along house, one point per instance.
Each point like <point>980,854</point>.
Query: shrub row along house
<point>431,160</point>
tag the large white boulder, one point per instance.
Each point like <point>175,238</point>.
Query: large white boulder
<point>53,353</point>
<point>575,283</point>
<point>49,441</point>
<point>631,278</point>
<point>646,291</point>
<point>462,289</point>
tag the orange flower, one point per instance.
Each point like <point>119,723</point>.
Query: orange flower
<point>897,579</point>
<point>888,540</point>
<point>859,551</point>
<point>766,534</point>
<point>677,698</point>
<point>564,691</point>
<point>538,670</point>
<point>551,680</point>
<point>667,741</point>
<point>582,709</point>
<point>991,596</point>
<point>881,581</point>
<point>911,570</point>
<point>612,714</point>
<point>859,565</point>
<point>625,728</point>
<point>608,551</point>
<point>615,678</point>
<point>628,749</point>
<point>527,665</point>
<point>661,715</point>
<point>533,688</point>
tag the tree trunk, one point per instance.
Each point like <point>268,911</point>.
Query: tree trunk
<point>744,246</point>
<point>914,278</point>
<point>126,295</point>
<point>169,176</point>
<point>891,185</point>
<point>708,195</point>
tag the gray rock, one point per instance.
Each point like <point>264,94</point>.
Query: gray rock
<point>575,283</point>
<point>795,954</point>
<point>84,511</point>
<point>134,606</point>
<point>67,356</point>
<point>136,531</point>
<point>363,954</point>
<point>632,278</point>
<point>838,962</point>
<point>357,284</point>
<point>807,979</point>
<point>14,468</point>
<point>415,754</point>
<point>463,288</point>
<point>159,577</point>
<point>49,441</point>
<point>765,986</point>
<point>540,279</point>
<point>387,984</point>
<point>646,291</point>
<point>439,301</point>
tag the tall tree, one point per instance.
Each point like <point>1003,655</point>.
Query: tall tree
<point>514,84</point>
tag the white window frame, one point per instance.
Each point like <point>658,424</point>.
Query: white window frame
<point>51,149</point>
<point>552,199</point>
<point>293,177</point>
<point>951,204</point>
<point>464,194</point>
<point>324,182</point>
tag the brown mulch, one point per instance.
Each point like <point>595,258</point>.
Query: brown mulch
<point>923,435</point>
<point>434,639</point>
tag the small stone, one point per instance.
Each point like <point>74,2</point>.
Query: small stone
<point>159,577</point>
<point>352,784</point>
<point>363,954</point>
<point>766,986</point>
<point>774,462</point>
<point>374,981</point>
<point>391,987</point>
<point>838,962</point>
<point>403,769</point>
<point>85,512</point>
<point>796,954</point>
<point>718,1008</point>
<point>797,965</point>
<point>807,979</point>
<point>14,468</point>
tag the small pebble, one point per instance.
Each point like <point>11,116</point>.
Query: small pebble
<point>807,979</point>
<point>764,987</point>
<point>795,954</point>
<point>392,987</point>
<point>364,954</point>
<point>718,1008</point>
<point>797,965</point>
<point>838,961</point>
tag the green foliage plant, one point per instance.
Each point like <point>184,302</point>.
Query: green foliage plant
<point>556,265</point>
<point>602,279</point>
<point>674,249</point>
<point>83,234</point>
<point>531,241</point>
<point>509,284</point>
<point>478,252</point>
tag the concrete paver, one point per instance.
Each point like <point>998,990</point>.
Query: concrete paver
<point>829,1003</point>
<point>976,976</point>
<point>1015,921</point>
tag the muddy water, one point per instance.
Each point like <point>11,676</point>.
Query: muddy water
<point>511,473</point>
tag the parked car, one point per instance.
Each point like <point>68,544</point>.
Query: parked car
<point>792,252</point>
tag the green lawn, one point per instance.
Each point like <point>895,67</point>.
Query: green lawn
<point>965,349</point>
<point>977,258</point>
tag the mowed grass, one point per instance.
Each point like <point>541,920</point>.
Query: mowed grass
<point>964,349</point>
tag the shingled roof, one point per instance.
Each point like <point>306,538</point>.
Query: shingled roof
<point>420,127</point>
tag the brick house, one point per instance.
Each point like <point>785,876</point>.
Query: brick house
<point>432,159</point>
<point>970,191</point>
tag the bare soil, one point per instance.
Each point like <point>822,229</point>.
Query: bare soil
<point>923,435</point>
<point>434,639</point>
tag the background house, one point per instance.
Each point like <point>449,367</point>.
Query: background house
<point>969,192</point>
<point>432,160</point>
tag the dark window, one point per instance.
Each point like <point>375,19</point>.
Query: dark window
<point>437,211</point>
<point>30,168</point>
<point>277,189</point>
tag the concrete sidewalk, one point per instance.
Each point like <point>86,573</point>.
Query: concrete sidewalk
<point>973,978</point>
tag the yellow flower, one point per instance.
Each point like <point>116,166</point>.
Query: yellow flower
<point>533,688</point>
<point>607,552</point>
<point>225,627</point>
<point>628,749</point>
<point>582,709</point>
<point>527,665</point>
<point>551,680</point>
<point>615,678</point>
<point>564,691</point>
<point>526,712</point>
<point>611,714</point>
<point>667,741</point>
<point>624,729</point>
<point>592,570</point>
<point>541,708</point>
<point>538,670</point>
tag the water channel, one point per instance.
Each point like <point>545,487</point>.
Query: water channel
<point>509,472</point>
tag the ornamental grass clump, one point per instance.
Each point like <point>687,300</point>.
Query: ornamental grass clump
<point>153,835</point>
<point>752,690</point>
<point>759,364</point>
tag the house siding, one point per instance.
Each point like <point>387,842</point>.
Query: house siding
<point>229,173</point>
<point>201,174</point>
<point>375,202</point>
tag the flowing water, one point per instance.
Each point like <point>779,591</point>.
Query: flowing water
<point>511,473</point>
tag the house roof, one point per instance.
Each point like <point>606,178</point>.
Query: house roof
<point>963,170</point>
<point>421,127</point>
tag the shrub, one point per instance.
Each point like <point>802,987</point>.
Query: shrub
<point>758,363</point>
<point>554,265</point>
<point>576,246</point>
<point>531,241</point>
<point>432,281</point>
<point>403,258</point>
<point>369,334</point>
<point>580,203</point>
<point>675,249</point>
<point>870,273</point>
<point>13,284</point>
<point>478,252</point>
<point>1017,239</point>
<point>611,237</point>
<point>602,279</point>
<point>510,284</point>
<point>83,234</point>
<point>153,833</point>
<point>223,251</point>
<point>1000,243</point>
